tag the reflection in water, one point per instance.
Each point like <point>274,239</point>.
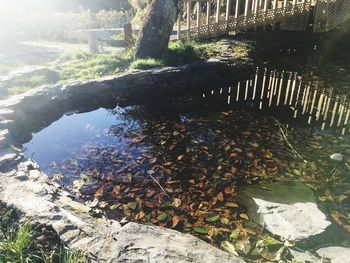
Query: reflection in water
<point>286,89</point>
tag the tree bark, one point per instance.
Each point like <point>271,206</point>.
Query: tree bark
<point>155,33</point>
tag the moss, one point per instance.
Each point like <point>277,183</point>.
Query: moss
<point>147,63</point>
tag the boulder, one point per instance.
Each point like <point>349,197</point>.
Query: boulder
<point>289,210</point>
<point>335,254</point>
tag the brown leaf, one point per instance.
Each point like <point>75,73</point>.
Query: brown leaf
<point>153,160</point>
<point>244,216</point>
<point>229,190</point>
<point>175,220</point>
<point>181,157</point>
<point>220,197</point>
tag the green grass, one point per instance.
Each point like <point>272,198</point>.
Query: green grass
<point>147,63</point>
<point>94,66</point>
<point>77,54</point>
<point>21,246</point>
<point>4,69</point>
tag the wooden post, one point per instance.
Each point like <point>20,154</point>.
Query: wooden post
<point>274,13</point>
<point>179,26</point>
<point>237,11</point>
<point>217,11</point>
<point>208,12</point>
<point>285,6</point>
<point>198,17</point>
<point>265,12</point>
<point>246,8</point>
<point>188,9</point>
<point>228,9</point>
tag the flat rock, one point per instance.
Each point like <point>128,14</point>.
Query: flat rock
<point>288,210</point>
<point>335,254</point>
<point>150,244</point>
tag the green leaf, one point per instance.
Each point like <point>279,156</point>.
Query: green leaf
<point>212,217</point>
<point>235,234</point>
<point>177,202</point>
<point>228,247</point>
<point>162,217</point>
<point>200,229</point>
<point>132,205</point>
<point>297,172</point>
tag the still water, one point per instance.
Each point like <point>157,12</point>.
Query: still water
<point>279,125</point>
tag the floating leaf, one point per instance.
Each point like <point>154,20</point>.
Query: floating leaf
<point>244,216</point>
<point>220,197</point>
<point>177,202</point>
<point>231,204</point>
<point>132,205</point>
<point>212,217</point>
<point>201,229</point>
<point>235,234</point>
<point>162,217</point>
<point>228,247</point>
<point>175,220</point>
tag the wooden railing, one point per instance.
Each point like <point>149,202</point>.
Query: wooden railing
<point>212,18</point>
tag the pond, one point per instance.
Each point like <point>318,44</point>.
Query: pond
<point>181,162</point>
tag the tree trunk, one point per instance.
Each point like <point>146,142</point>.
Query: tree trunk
<point>155,33</point>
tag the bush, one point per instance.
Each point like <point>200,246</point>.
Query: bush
<point>145,64</point>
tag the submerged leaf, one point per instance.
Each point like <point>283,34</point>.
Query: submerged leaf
<point>212,217</point>
<point>201,229</point>
<point>228,247</point>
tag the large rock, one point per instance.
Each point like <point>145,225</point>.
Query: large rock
<point>107,240</point>
<point>335,254</point>
<point>147,244</point>
<point>288,210</point>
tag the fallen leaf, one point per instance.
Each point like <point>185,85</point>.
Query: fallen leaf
<point>200,229</point>
<point>175,220</point>
<point>220,197</point>
<point>244,216</point>
<point>228,247</point>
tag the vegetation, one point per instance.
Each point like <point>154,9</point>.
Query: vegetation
<point>82,65</point>
<point>24,243</point>
<point>94,66</point>
<point>148,63</point>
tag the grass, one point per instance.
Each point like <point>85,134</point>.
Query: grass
<point>147,63</point>
<point>22,246</point>
<point>94,66</point>
<point>4,69</point>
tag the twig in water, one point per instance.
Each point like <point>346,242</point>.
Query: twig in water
<point>283,131</point>
<point>154,179</point>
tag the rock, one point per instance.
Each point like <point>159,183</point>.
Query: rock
<point>306,257</point>
<point>21,176</point>
<point>89,187</point>
<point>335,254</point>
<point>337,157</point>
<point>288,210</point>
<point>143,243</point>
<point>6,156</point>
<point>34,174</point>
